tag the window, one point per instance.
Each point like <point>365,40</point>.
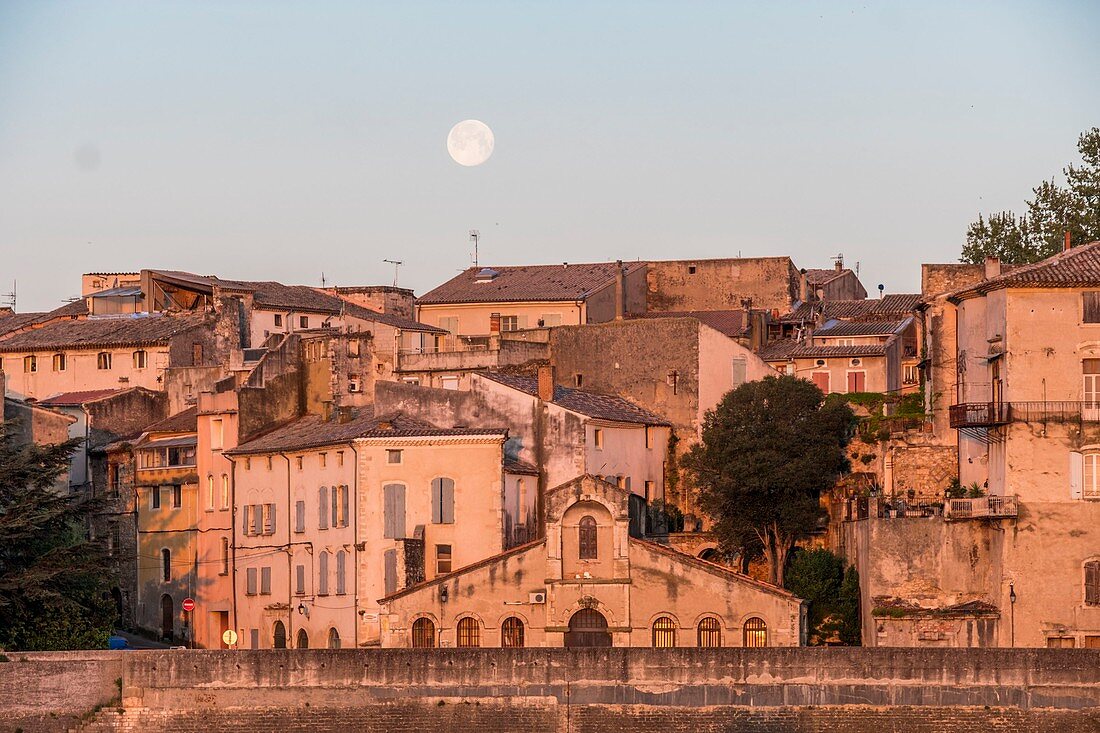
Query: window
<point>1061,642</point>
<point>393,457</point>
<point>210,493</point>
<point>550,319</point>
<point>322,458</point>
<point>250,582</point>
<point>449,382</point>
<point>280,635</point>
<point>225,556</point>
<point>442,559</point>
<point>339,458</point>
<point>664,633</point>
<point>154,493</point>
<point>167,457</point>
<point>299,516</point>
<point>650,490</point>
<point>333,638</point>
<point>300,580</point>
<point>511,633</point>
<point>739,370</point>
<point>322,507</point>
<point>269,463</point>
<point>353,347</point>
<point>1092,583</point>
<point>254,638</point>
<point>578,380</point>
<point>341,573</point>
<point>1092,642</point>
<point>755,633</point>
<point>597,437</point>
<point>166,565</point>
<point>298,462</point>
<point>910,374</point>
<point>393,496</point>
<point>303,321</point>
<point>177,496</point>
<point>423,634</point>
<point>217,434</point>
<point>509,323</point>
<point>140,359</point>
<point>344,505</point>
<point>114,478</point>
<point>821,379</point>
<point>113,538</point>
<point>1090,385</point>
<point>225,491</point>
<point>389,571</point>
<point>586,541</point>
<point>303,639</point>
<point>103,360</point>
<point>857,381</point>
<point>1090,306</point>
<point>196,354</point>
<point>30,364</point>
<point>691,269</point>
<point>469,633</point>
<point>620,481</point>
<point>443,501</point>
<point>322,574</point>
<point>1089,474</point>
<point>278,319</point>
<point>59,362</point>
<point>265,581</point>
<point>710,632</point>
<point>269,518</point>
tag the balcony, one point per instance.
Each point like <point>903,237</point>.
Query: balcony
<point>980,414</point>
<point>986,507</point>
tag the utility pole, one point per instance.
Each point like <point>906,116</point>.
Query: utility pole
<point>396,264</point>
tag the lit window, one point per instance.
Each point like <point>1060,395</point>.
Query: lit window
<point>710,632</point>
<point>755,633</point>
<point>511,633</point>
<point>664,633</point>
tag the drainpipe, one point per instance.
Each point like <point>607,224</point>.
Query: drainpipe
<point>354,509</point>
<point>619,290</point>
<point>290,641</point>
<point>233,541</point>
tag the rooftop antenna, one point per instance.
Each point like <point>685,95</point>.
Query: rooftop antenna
<point>838,260</point>
<point>396,264</point>
<point>475,235</point>
<point>10,297</point>
<point>322,280</point>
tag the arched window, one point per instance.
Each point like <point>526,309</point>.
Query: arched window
<point>588,628</point>
<point>1092,583</point>
<point>756,632</point>
<point>511,632</point>
<point>664,633</point>
<point>280,635</point>
<point>469,633</point>
<point>423,634</point>
<point>333,638</point>
<point>166,565</point>
<point>303,639</point>
<point>587,540</point>
<point>710,632</point>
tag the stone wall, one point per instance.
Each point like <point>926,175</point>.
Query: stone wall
<point>558,690</point>
<point>684,285</point>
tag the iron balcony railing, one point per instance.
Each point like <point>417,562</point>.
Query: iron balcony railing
<point>991,414</point>
<point>985,507</point>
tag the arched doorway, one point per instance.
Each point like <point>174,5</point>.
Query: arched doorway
<point>167,616</point>
<point>280,635</point>
<point>303,639</point>
<point>588,628</point>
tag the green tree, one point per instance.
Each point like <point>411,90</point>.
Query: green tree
<point>1052,211</point>
<point>769,449</point>
<point>816,576</point>
<point>850,629</point>
<point>53,580</point>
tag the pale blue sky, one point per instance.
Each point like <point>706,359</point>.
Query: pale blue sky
<point>276,140</point>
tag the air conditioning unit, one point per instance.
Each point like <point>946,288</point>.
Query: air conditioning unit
<point>855,362</point>
<point>537,598</point>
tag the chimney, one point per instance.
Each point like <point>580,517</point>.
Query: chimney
<point>344,413</point>
<point>803,285</point>
<point>494,323</point>
<point>1069,242</point>
<point>546,383</point>
<point>839,265</point>
<point>992,267</point>
<point>619,294</point>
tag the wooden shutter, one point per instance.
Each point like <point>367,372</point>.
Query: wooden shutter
<point>322,503</point>
<point>300,580</point>
<point>394,509</point>
<point>344,505</point>
<point>1092,582</point>
<point>335,506</point>
<point>265,581</point>
<point>340,572</point>
<point>821,379</point>
<point>740,367</point>
<point>322,575</point>
<point>448,500</point>
<point>1076,475</point>
<point>247,517</point>
<point>300,516</point>
<point>1090,306</point>
<point>389,561</point>
<point>250,581</point>
<point>273,526</point>
<point>437,501</point>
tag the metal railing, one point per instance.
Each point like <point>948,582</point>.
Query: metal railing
<point>985,507</point>
<point>990,414</point>
<point>980,414</point>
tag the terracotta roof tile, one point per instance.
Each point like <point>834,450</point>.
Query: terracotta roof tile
<point>515,465</point>
<point>732,323</point>
<point>570,282</point>
<point>590,404</point>
<point>69,399</point>
<point>1077,268</point>
<point>792,349</point>
<point>895,305</point>
<point>103,332</point>
<point>834,329</point>
<point>182,422</point>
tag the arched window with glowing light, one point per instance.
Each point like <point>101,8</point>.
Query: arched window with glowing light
<point>756,632</point>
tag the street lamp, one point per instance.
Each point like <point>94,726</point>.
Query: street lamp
<point>1012,614</point>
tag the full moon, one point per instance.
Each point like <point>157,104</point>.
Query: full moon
<point>470,142</point>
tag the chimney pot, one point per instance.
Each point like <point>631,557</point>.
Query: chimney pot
<point>546,383</point>
<point>1068,243</point>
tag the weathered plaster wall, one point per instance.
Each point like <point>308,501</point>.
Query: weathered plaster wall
<point>771,283</point>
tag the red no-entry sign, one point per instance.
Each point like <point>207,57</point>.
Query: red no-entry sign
<point>188,604</point>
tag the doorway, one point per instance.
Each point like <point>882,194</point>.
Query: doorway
<point>588,628</point>
<point>167,616</point>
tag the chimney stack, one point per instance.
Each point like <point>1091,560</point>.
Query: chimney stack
<point>992,267</point>
<point>803,285</point>
<point>619,290</point>
<point>546,383</point>
<point>1069,242</point>
<point>494,323</point>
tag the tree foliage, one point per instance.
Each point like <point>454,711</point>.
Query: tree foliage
<point>1052,211</point>
<point>53,580</point>
<point>819,577</point>
<point>768,451</point>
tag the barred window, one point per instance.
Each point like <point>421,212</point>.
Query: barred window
<point>423,634</point>
<point>469,633</point>
<point>587,539</point>
<point>511,633</point>
<point>756,632</point>
<point>664,633</point>
<point>710,632</point>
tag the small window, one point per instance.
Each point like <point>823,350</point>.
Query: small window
<point>103,360</point>
<point>423,634</point>
<point>442,559</point>
<point>299,516</point>
<point>597,437</point>
<point>30,364</point>
<point>303,321</point>
<point>225,491</point>
<point>691,269</point>
<point>710,633</point>
<point>322,574</point>
<point>250,584</point>
<point>353,347</point>
<point>755,633</point>
<point>254,638</point>
<point>114,538</point>
<point>140,359</point>
<point>303,639</point>
<point>154,497</point>
<point>278,319</point>
<point>1090,306</point>
<point>650,490</point>
<point>177,496</point>
<point>339,458</point>
<point>587,542</point>
<point>269,463</point>
<point>469,633</point>
<point>298,462</point>
<point>166,565</point>
<point>265,581</point>
<point>1092,583</point>
<point>322,459</point>
<point>59,362</point>
<point>196,354</point>
<point>333,638</point>
<point>393,457</point>
<point>1061,642</point>
<point>299,580</point>
<point>210,493</point>
<point>509,323</point>
<point>664,633</point>
<point>225,556</point>
<point>341,573</point>
<point>511,633</point>
<point>217,433</point>
<point>449,382</point>
<point>578,380</point>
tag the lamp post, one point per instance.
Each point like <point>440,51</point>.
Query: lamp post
<point>1012,614</point>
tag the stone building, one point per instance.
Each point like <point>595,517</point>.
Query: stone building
<point>590,583</point>
<point>770,283</point>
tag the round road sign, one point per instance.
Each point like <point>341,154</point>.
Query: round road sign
<point>188,604</point>
<point>229,637</point>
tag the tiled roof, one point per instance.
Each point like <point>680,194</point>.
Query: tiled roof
<point>792,349</point>
<point>834,329</point>
<point>569,282</point>
<point>69,399</point>
<point>103,332</point>
<point>820,277</point>
<point>185,421</point>
<point>312,431</point>
<point>1077,268</point>
<point>17,321</point>
<point>515,465</point>
<point>714,568</point>
<point>730,322</point>
<point>895,305</point>
<point>590,404</point>
<point>446,577</point>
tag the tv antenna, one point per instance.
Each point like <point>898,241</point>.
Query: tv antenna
<point>322,280</point>
<point>10,297</point>
<point>396,264</point>
<point>475,235</point>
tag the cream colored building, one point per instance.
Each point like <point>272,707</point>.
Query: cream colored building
<point>590,583</point>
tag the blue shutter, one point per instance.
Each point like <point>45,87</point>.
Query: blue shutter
<point>448,500</point>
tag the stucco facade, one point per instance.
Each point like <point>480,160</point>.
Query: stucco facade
<point>588,569</point>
